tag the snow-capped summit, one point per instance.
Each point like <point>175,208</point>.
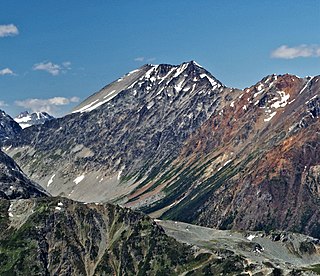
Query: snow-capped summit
<point>25,119</point>
<point>154,82</point>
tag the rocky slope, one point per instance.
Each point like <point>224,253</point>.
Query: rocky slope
<point>9,129</point>
<point>26,119</point>
<point>13,183</point>
<point>284,253</point>
<point>174,142</point>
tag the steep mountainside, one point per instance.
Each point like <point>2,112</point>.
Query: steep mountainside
<point>13,183</point>
<point>253,166</point>
<point>9,129</point>
<point>25,119</point>
<point>174,142</point>
<point>130,127</point>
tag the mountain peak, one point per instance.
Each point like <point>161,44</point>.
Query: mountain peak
<point>163,80</point>
<point>25,119</point>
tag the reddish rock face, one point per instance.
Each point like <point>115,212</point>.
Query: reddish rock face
<point>254,164</point>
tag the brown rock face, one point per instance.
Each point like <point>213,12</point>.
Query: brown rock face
<point>254,164</point>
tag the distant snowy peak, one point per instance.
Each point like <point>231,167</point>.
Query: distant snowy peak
<point>25,119</point>
<point>165,79</point>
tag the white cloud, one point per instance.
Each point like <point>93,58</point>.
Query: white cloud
<point>3,104</point>
<point>51,68</point>
<point>50,105</point>
<point>8,30</point>
<point>66,64</point>
<point>6,71</point>
<point>74,99</point>
<point>140,59</point>
<point>303,50</point>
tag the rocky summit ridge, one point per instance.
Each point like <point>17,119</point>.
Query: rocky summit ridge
<point>9,129</point>
<point>176,143</point>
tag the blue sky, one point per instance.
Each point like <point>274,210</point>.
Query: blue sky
<point>55,53</point>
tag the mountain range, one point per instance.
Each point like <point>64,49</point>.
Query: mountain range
<point>175,143</point>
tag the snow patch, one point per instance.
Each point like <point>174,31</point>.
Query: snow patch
<point>211,80</point>
<point>251,237</point>
<point>271,116</point>
<point>134,71</point>
<point>10,211</point>
<point>78,179</point>
<point>119,175</point>
<point>283,100</point>
<point>306,85</point>
<point>50,180</point>
<point>82,109</point>
<point>179,86</point>
<point>260,87</point>
<point>6,149</point>
<point>180,69</point>
<point>169,73</point>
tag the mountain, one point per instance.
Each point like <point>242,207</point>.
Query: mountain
<point>253,166</point>
<point>177,144</point>
<point>25,119</point>
<point>57,236</point>
<point>87,154</point>
<point>13,183</point>
<point>9,129</point>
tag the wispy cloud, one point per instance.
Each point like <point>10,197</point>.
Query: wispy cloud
<point>50,105</point>
<point>6,71</point>
<point>8,30</point>
<point>141,59</point>
<point>286,52</point>
<point>51,68</point>
<point>3,104</point>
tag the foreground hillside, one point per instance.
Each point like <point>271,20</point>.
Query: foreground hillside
<point>57,236</point>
